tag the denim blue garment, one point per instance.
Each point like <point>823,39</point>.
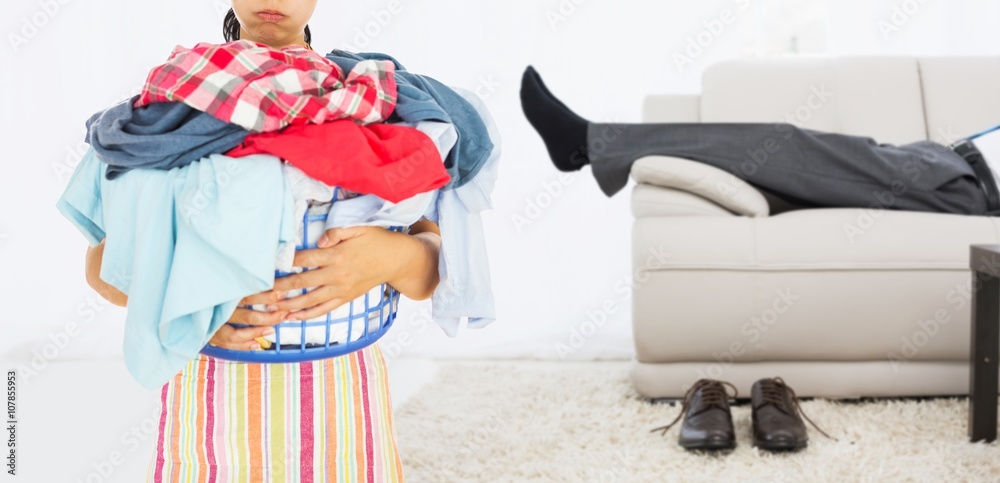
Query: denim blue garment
<point>464,289</point>
<point>198,239</point>
<point>163,135</point>
<point>422,98</point>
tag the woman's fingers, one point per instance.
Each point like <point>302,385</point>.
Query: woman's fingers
<point>319,296</point>
<point>315,257</point>
<point>334,236</point>
<point>424,225</point>
<point>253,317</point>
<point>232,338</point>
<point>317,311</point>
<point>264,298</point>
<point>229,337</point>
<point>304,280</point>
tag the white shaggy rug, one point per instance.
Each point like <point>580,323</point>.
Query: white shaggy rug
<point>581,422</point>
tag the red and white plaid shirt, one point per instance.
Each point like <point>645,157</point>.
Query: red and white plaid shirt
<point>263,89</point>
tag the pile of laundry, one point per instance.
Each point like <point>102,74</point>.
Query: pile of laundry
<point>199,185</point>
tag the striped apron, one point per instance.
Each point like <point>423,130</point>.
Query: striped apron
<point>323,421</point>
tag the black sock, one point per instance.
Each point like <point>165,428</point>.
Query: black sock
<point>564,132</point>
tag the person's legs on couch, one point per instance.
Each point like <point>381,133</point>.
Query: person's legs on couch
<point>811,167</point>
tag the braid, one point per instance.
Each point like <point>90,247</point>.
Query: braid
<point>231,28</point>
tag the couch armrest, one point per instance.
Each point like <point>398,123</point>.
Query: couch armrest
<point>706,181</point>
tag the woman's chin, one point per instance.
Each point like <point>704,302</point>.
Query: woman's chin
<point>270,34</point>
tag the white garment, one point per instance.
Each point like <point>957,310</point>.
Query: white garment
<point>369,210</point>
<point>465,290</point>
<point>988,144</point>
<point>305,190</point>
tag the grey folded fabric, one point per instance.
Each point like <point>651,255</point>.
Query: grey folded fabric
<point>164,135</point>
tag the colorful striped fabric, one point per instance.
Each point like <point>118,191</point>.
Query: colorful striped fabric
<point>322,421</point>
<point>264,89</point>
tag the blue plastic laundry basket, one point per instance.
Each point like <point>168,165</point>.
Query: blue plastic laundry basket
<point>367,317</point>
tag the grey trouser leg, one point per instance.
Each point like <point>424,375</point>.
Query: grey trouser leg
<point>805,167</point>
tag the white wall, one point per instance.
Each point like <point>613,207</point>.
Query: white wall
<point>600,56</point>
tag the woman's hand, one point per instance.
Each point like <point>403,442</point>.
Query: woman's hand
<point>351,261</point>
<point>232,338</point>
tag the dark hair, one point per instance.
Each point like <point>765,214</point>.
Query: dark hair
<point>231,28</point>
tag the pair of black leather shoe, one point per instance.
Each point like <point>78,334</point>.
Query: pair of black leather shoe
<point>708,421</point>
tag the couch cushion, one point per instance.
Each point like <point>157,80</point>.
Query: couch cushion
<point>799,286</point>
<point>878,97</point>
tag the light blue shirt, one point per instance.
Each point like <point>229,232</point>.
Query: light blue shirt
<point>464,289</point>
<point>187,245</point>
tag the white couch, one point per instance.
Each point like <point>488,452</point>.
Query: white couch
<point>841,302</point>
